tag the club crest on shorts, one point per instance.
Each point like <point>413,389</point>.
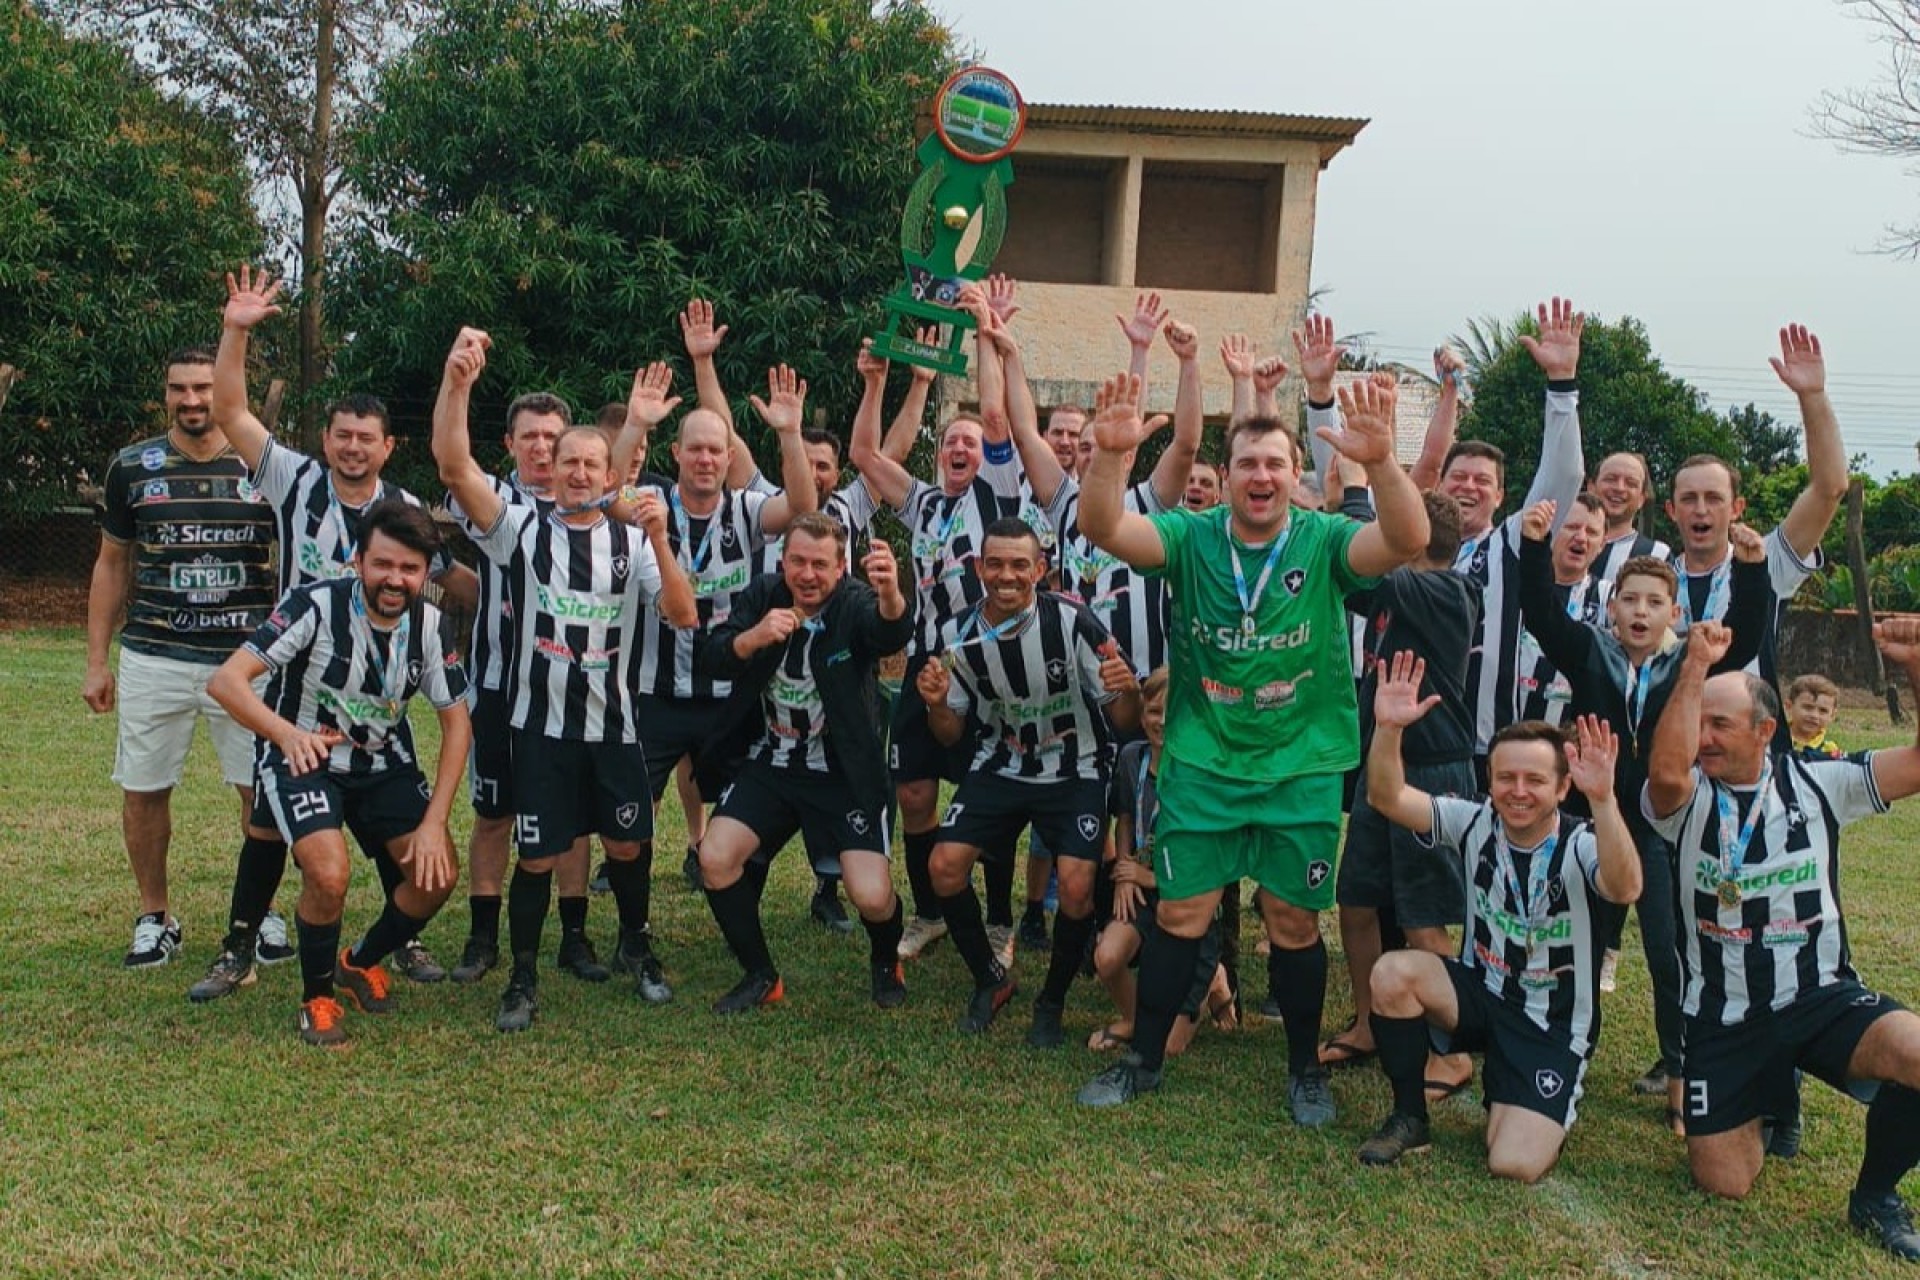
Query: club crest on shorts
<point>856,822</point>
<point>627,814</point>
<point>1549,1082</point>
<point>1089,826</point>
<point>1317,872</point>
<point>1294,579</point>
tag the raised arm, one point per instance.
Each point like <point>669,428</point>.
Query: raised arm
<point>1176,460</point>
<point>1676,740</point>
<point>886,476</point>
<point>1015,411</point>
<point>1896,770</point>
<point>1117,433</point>
<point>452,448</point>
<point>1803,367</point>
<point>783,411</point>
<point>905,428</point>
<point>703,338</point>
<point>1563,470</point>
<point>1590,763</point>
<point>249,301</point>
<point>1319,356</point>
<point>1400,530</point>
<point>1565,641</point>
<point>1396,704</point>
<point>1237,354</point>
<point>1139,328</point>
<point>1749,599</point>
<point>647,407</point>
<point>677,602</point>
<point>1443,425</point>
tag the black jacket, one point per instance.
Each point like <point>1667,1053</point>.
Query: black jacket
<point>847,649</point>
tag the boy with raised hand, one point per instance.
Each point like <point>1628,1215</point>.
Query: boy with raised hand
<point>1526,987</point>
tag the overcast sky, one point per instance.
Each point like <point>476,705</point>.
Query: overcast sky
<point>1642,157</point>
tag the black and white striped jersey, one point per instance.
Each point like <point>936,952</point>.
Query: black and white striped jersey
<point>1033,681</point>
<point>1705,595</point>
<point>319,534</point>
<point>851,506</point>
<point>796,734</point>
<point>1135,607</point>
<point>1543,692</point>
<point>579,593</point>
<point>1535,933</point>
<point>948,532</point>
<point>332,669</point>
<point>1763,926</point>
<point>1606,565</point>
<point>721,553</point>
<point>490,653</point>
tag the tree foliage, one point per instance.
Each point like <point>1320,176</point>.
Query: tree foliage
<point>1628,401</point>
<point>118,210</point>
<point>568,176</point>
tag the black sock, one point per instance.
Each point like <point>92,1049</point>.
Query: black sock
<point>528,894</point>
<point>919,856</point>
<point>1298,982</point>
<point>256,878</point>
<point>1036,912</point>
<point>392,928</point>
<point>736,909</point>
<point>1403,1046</point>
<point>962,913</point>
<point>319,945</point>
<point>485,910</point>
<point>1069,948</point>
<point>826,886</point>
<point>573,918</point>
<point>627,882</point>
<point>755,873</point>
<point>883,937</point>
<point>1893,1141</point>
<point>996,869</point>
<point>391,876</point>
<point>1166,975</point>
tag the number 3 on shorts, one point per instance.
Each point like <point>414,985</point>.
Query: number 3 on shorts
<point>1697,1097</point>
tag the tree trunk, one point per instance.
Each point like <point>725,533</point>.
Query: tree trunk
<point>314,200</point>
<point>8,375</point>
<point>1863,597</point>
<point>270,407</point>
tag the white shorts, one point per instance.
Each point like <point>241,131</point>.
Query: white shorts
<point>159,700</point>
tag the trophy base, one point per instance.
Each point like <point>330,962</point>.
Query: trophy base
<point>897,343</point>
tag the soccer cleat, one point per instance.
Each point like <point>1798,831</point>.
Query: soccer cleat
<point>1046,1032</point>
<point>1400,1135</point>
<point>1310,1100</point>
<point>634,955</point>
<point>481,954</point>
<point>416,964</point>
<point>578,958</point>
<point>229,972</point>
<point>368,987</point>
<point>827,911</point>
<point>270,942</point>
<point>518,1004</point>
<point>1653,1082</point>
<point>320,1021</point>
<point>1033,930</point>
<point>1000,938</point>
<point>690,869</point>
<point>1610,970</point>
<point>156,941</point>
<point>751,992</point>
<point>1889,1221</point>
<point>920,934</point>
<point>985,1004</point>
<point>599,883</point>
<point>1119,1084</point>
<point>889,985</point>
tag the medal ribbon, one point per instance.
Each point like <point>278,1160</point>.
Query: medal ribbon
<point>1736,836</point>
<point>697,561</point>
<point>1534,900</point>
<point>1717,588</point>
<point>1249,604</point>
<point>384,662</point>
<point>336,513</point>
<point>1140,823</point>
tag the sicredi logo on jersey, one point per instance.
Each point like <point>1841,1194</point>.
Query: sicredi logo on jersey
<point>1236,640</point>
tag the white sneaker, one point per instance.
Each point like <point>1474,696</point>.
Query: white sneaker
<point>919,935</point>
<point>270,942</point>
<point>156,940</point>
<point>1000,938</point>
<point>1609,969</point>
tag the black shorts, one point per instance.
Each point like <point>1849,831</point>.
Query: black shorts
<point>375,807</point>
<point>569,789</point>
<point>1736,1073</point>
<point>913,753</point>
<point>490,762</point>
<point>988,812</point>
<point>1385,865</point>
<point>775,803</point>
<point>1526,1067</point>
<point>672,729</point>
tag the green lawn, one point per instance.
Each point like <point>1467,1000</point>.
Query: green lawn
<point>145,1136</point>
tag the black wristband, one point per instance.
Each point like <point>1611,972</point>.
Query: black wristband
<point>1562,384</point>
<point>1315,404</point>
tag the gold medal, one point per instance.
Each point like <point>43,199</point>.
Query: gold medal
<point>1729,893</point>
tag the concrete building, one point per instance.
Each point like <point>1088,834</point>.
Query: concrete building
<point>1213,209</point>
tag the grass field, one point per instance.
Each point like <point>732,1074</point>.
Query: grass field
<point>145,1136</point>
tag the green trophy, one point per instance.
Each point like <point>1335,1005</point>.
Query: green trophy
<point>978,117</point>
